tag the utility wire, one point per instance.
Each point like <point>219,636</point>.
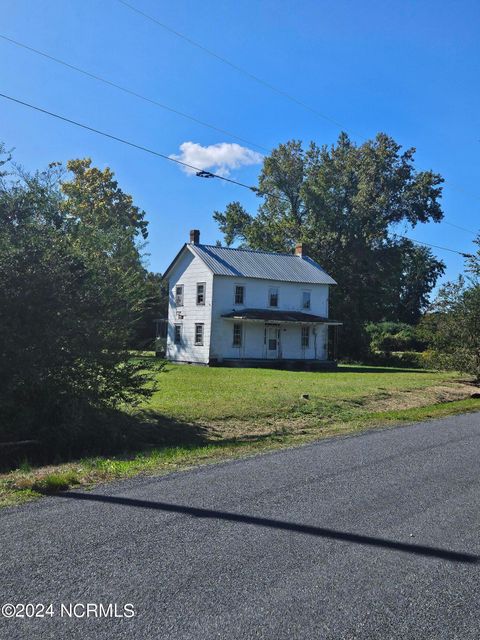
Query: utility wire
<point>155,102</point>
<point>270,86</point>
<point>434,246</point>
<point>199,172</point>
<point>237,68</point>
<point>456,226</point>
<point>130,91</point>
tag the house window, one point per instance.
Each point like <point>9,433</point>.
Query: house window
<point>177,336</point>
<point>239,294</point>
<point>273,297</point>
<point>305,337</point>
<point>201,293</point>
<point>199,334</point>
<point>179,295</point>
<point>237,335</point>
<point>306,299</point>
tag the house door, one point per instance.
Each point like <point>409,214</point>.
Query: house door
<point>272,339</point>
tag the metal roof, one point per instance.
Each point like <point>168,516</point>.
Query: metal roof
<point>277,316</point>
<point>248,263</point>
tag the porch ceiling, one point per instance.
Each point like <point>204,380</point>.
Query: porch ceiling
<point>270,315</point>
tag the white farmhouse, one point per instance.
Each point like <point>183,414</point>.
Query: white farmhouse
<point>239,306</point>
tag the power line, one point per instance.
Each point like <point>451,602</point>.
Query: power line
<point>237,68</point>
<point>456,226</point>
<point>270,86</point>
<point>434,246</point>
<point>129,91</point>
<point>199,172</point>
<point>155,102</point>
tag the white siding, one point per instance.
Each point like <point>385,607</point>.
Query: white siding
<point>256,297</point>
<point>188,271</point>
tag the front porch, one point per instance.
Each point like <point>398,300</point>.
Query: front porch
<point>277,339</point>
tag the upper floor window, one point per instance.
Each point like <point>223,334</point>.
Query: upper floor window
<point>306,299</point>
<point>177,336</point>
<point>199,334</point>
<point>179,295</point>
<point>305,337</point>
<point>239,294</point>
<point>200,292</point>
<point>273,297</point>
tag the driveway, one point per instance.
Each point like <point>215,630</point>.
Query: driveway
<point>369,536</point>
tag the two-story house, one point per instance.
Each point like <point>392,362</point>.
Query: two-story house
<point>234,306</point>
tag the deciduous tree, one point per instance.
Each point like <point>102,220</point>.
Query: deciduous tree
<point>72,289</point>
<point>344,201</point>
<point>455,317</point>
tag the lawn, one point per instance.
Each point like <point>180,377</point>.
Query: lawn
<point>241,402</point>
<point>210,414</point>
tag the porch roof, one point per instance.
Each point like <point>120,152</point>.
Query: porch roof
<point>271,315</point>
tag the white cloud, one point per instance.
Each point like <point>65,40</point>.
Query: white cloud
<point>220,158</point>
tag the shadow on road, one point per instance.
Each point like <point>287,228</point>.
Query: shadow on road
<point>332,534</point>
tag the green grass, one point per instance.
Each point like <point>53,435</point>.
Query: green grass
<point>54,482</point>
<point>216,414</point>
<point>199,394</point>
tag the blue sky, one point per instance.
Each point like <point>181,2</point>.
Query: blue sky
<point>407,68</point>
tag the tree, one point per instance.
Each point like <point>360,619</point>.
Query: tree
<point>455,317</point>
<point>155,308</point>
<point>95,200</point>
<point>106,215</point>
<point>72,289</point>
<point>233,222</point>
<point>419,273</point>
<point>343,201</point>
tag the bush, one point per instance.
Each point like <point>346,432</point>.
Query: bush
<point>407,359</point>
<point>393,336</point>
<point>456,316</point>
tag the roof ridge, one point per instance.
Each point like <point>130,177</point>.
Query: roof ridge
<point>271,253</point>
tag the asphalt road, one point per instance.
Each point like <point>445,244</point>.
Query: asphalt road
<point>372,536</point>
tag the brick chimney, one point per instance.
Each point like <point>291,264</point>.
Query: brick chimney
<point>195,236</point>
<point>299,249</point>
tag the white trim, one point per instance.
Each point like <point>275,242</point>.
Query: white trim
<point>235,325</point>
<point>182,287</point>
<point>304,291</point>
<point>178,325</point>
<point>204,285</point>
<point>273,306</point>
<point>243,286</point>
<point>202,342</point>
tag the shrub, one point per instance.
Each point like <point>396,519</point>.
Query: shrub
<point>456,340</point>
<point>393,336</point>
<point>407,359</point>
